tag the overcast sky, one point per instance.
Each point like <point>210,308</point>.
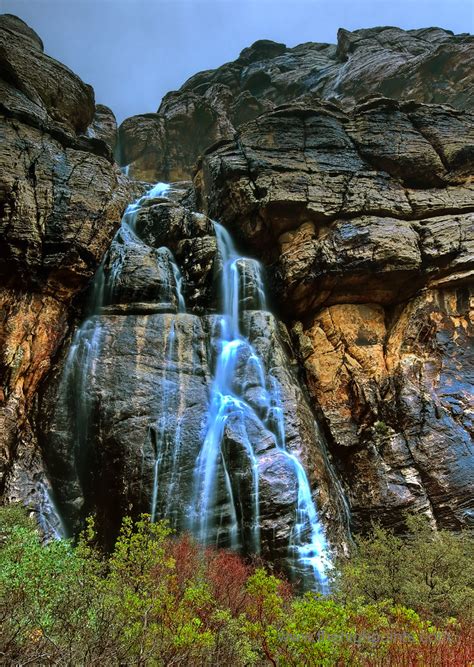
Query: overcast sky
<point>135,51</point>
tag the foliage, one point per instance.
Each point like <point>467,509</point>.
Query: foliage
<point>429,571</point>
<point>157,600</point>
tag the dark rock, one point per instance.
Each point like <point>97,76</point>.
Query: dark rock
<point>365,221</point>
<point>32,80</point>
<point>141,424</point>
<point>347,170</point>
<point>263,49</point>
<point>137,137</point>
<point>306,192</point>
<point>386,138</point>
<point>141,402</point>
<point>14,24</point>
<point>191,238</point>
<point>49,223</point>
<point>55,228</point>
<point>429,65</point>
<point>104,126</point>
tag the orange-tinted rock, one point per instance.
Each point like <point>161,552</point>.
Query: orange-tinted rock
<point>395,389</point>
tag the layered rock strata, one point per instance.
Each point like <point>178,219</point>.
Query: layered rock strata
<point>430,65</point>
<point>366,223</point>
<point>346,169</point>
<point>61,199</point>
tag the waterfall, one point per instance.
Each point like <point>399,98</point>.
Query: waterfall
<point>49,518</point>
<point>235,475</point>
<point>166,440</point>
<point>159,439</point>
<point>242,289</point>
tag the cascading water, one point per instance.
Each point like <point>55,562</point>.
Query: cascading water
<point>163,444</point>
<point>85,350</point>
<point>242,290</point>
<point>49,517</point>
<point>212,451</point>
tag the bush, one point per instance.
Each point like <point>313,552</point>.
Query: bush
<point>50,600</point>
<point>430,571</point>
<point>157,600</point>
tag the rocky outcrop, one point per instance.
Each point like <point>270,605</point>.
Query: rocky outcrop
<point>61,198</point>
<point>104,126</point>
<point>366,223</point>
<point>347,170</point>
<point>395,388</point>
<point>353,203</point>
<point>38,85</point>
<point>430,65</point>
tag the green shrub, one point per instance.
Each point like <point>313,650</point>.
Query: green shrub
<point>430,571</point>
<point>157,600</point>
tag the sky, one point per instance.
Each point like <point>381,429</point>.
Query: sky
<point>134,51</point>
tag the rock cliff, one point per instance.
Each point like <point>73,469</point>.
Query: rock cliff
<point>347,171</point>
<point>130,443</point>
<point>61,199</point>
<point>431,66</point>
<point>367,228</point>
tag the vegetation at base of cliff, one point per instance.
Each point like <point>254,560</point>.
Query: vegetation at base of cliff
<point>431,572</point>
<point>158,600</point>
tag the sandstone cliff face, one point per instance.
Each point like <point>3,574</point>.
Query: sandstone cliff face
<point>361,210</point>
<point>430,65</point>
<point>367,227</point>
<point>61,198</point>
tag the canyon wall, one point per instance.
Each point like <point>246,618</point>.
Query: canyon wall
<point>346,169</point>
<point>61,199</point>
<point>368,232</point>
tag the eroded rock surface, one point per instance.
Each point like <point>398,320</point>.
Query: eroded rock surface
<point>347,169</point>
<point>61,198</point>
<point>429,65</point>
<point>366,223</point>
<point>395,388</point>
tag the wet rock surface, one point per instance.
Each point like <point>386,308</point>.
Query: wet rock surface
<point>124,421</point>
<point>395,388</point>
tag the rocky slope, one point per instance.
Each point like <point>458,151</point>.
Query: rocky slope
<point>61,199</point>
<point>361,210</point>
